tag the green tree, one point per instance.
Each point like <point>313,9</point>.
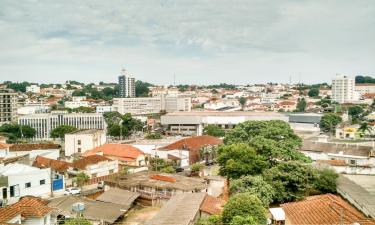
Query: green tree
<point>301,105</point>
<point>15,131</point>
<point>244,205</point>
<point>80,179</point>
<point>355,112</point>
<point>77,221</point>
<point>313,92</point>
<point>83,109</point>
<point>240,159</point>
<point>255,185</point>
<point>326,181</point>
<point>60,131</point>
<point>213,130</point>
<point>365,128</point>
<point>291,180</point>
<point>208,152</point>
<point>168,169</point>
<point>211,220</point>
<point>112,117</point>
<point>196,167</point>
<point>142,88</point>
<point>274,139</point>
<point>329,121</point>
<point>240,220</point>
<point>242,102</point>
<point>153,136</point>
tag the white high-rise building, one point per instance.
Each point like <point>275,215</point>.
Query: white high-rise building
<point>127,85</point>
<point>343,89</point>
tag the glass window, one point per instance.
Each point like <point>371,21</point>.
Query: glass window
<point>42,182</point>
<point>28,184</point>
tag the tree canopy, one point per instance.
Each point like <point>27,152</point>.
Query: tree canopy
<point>15,131</point>
<point>329,121</point>
<point>245,205</point>
<point>301,105</point>
<point>313,92</point>
<point>213,130</point>
<point>60,131</point>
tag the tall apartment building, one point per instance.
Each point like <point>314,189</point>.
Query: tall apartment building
<point>8,105</point>
<point>343,89</point>
<point>126,85</point>
<point>44,123</point>
<point>151,105</point>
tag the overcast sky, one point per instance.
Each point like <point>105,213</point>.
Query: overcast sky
<point>202,41</point>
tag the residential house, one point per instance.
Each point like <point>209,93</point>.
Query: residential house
<point>186,209</point>
<point>323,210</point>
<point>96,212</point>
<point>120,197</point>
<point>18,180</point>
<point>47,150</point>
<point>125,154</point>
<point>158,187</point>
<point>344,158</point>
<point>187,150</point>
<point>94,166</point>
<point>81,141</point>
<point>28,211</point>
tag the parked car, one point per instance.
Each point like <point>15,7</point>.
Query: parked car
<point>72,191</point>
<point>101,185</point>
<point>179,169</point>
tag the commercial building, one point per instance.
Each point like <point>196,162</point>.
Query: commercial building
<point>127,85</point>
<point>77,101</point>
<point>81,141</point>
<point>44,123</point>
<point>94,166</point>
<point>192,123</point>
<point>151,105</point>
<point>305,121</point>
<point>343,89</point>
<point>8,105</point>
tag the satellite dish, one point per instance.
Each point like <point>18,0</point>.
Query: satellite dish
<point>78,207</point>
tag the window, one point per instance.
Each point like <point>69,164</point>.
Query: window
<point>94,175</point>
<point>79,142</point>
<point>28,184</point>
<point>111,171</point>
<point>42,182</point>
<point>14,191</point>
<point>353,162</point>
<point>79,150</point>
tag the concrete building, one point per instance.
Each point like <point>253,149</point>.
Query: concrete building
<point>365,88</point>
<point>94,166</point>
<point>305,121</point>
<point>77,101</point>
<point>192,123</point>
<point>343,89</point>
<point>127,85</point>
<point>44,123</point>
<point>81,141</point>
<point>33,89</point>
<point>103,108</point>
<point>8,105</point>
<point>18,180</point>
<point>177,103</point>
<point>138,106</point>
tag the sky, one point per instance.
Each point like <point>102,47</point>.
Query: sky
<point>197,42</point>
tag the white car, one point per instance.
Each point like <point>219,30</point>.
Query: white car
<point>72,191</point>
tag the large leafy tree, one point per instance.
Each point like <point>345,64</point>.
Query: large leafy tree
<point>213,130</point>
<point>329,121</point>
<point>291,180</point>
<point>326,181</point>
<point>245,205</point>
<point>301,105</point>
<point>240,159</point>
<point>60,131</point>
<point>355,112</point>
<point>242,102</point>
<point>313,92</point>
<point>255,185</point>
<point>273,139</point>
<point>14,132</point>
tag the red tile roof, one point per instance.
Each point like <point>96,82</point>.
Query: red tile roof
<point>29,147</point>
<point>333,162</point>
<point>324,209</point>
<point>163,178</point>
<point>193,145</point>
<point>4,146</point>
<point>116,150</point>
<point>56,165</point>
<point>212,205</point>
<point>89,160</point>
<point>27,207</point>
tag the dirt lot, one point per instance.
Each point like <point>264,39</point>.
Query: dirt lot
<point>139,215</point>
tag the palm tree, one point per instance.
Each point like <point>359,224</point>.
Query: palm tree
<point>81,179</point>
<point>365,128</point>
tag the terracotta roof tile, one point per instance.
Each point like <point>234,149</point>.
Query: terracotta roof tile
<point>116,150</point>
<point>4,146</point>
<point>212,205</point>
<point>324,209</point>
<point>163,178</point>
<point>89,160</point>
<point>56,165</point>
<point>7,214</point>
<point>29,147</point>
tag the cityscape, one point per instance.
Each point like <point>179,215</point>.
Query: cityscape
<point>159,137</point>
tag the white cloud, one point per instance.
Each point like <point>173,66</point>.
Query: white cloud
<point>201,41</point>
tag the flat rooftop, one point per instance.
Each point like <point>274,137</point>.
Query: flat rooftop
<point>359,190</point>
<point>216,113</point>
<point>90,131</point>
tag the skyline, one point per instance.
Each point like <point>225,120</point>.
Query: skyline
<point>228,42</point>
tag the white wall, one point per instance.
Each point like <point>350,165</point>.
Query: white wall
<point>102,168</point>
<point>87,142</point>
<point>48,153</point>
<point>38,221</point>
